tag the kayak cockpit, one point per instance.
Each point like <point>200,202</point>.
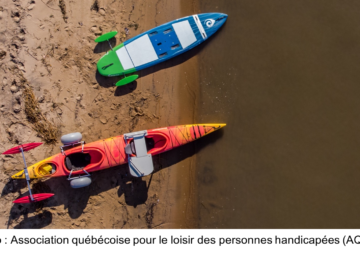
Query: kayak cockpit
<point>82,160</point>
<point>77,161</point>
<point>46,169</point>
<point>160,142</point>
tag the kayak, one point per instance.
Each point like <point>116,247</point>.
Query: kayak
<point>118,150</point>
<point>157,45</point>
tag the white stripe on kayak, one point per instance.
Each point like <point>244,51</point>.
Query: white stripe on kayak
<point>200,26</point>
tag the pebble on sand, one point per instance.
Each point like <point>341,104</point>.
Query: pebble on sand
<point>13,89</point>
<point>102,11</point>
<point>41,99</point>
<point>103,120</point>
<point>31,6</point>
<point>17,108</point>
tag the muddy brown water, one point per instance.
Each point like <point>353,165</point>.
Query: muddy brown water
<point>285,77</point>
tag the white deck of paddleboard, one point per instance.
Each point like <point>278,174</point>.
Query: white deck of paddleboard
<point>141,51</point>
<point>124,58</point>
<point>184,33</point>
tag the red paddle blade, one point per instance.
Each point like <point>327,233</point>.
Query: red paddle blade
<point>37,198</point>
<point>26,147</point>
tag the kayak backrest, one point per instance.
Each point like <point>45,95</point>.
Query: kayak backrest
<point>141,164</point>
<point>130,148</point>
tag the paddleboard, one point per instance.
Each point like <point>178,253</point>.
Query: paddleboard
<point>159,44</point>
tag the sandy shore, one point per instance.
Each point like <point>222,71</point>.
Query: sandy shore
<point>48,51</point>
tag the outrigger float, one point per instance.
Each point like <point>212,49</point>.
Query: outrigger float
<point>157,45</point>
<point>78,159</point>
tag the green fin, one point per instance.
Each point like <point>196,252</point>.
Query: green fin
<point>106,36</point>
<point>127,80</point>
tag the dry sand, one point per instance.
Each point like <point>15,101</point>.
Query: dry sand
<point>48,53</point>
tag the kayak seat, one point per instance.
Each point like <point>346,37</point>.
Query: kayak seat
<point>130,147</point>
<point>140,164</point>
<point>77,161</point>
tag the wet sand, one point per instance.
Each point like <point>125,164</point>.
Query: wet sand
<point>48,46</point>
<point>287,84</point>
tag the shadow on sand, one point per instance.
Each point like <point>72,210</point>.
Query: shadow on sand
<point>134,189</point>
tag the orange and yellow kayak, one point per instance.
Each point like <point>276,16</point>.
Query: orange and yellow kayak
<point>110,152</point>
